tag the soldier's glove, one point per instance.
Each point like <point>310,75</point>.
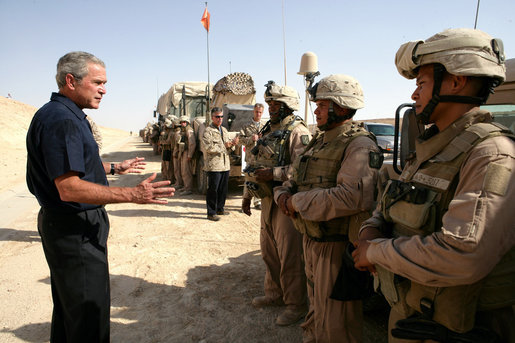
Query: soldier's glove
<point>245,206</point>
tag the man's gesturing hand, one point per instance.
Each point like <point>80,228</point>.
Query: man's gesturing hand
<point>151,193</point>
<point>134,165</point>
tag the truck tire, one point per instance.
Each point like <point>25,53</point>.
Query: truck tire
<point>201,176</point>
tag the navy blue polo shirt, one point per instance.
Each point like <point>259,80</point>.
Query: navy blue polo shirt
<point>59,140</point>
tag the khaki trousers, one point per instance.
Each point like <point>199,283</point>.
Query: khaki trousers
<point>186,174</point>
<point>329,320</point>
<point>281,249</point>
<point>177,172</point>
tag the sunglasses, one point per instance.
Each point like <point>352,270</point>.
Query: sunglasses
<point>218,116</point>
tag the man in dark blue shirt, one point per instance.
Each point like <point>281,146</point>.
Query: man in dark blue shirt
<point>67,176</point>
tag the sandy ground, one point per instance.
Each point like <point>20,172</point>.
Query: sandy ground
<point>175,277</point>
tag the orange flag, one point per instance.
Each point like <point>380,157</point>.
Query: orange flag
<point>205,19</point>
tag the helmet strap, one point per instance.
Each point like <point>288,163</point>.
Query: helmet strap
<point>438,73</point>
<point>332,118</point>
<point>281,114</point>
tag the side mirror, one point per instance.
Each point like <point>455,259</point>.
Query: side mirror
<point>410,130</point>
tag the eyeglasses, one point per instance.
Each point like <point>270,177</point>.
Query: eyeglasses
<point>218,116</point>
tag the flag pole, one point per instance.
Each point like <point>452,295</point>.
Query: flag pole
<point>205,22</point>
<point>284,47</point>
<point>208,84</point>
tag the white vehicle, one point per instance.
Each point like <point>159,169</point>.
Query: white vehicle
<point>384,134</point>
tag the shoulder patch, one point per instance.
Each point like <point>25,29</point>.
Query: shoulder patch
<point>304,139</point>
<point>497,178</point>
<point>375,159</point>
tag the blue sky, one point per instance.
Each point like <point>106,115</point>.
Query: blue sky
<point>149,45</point>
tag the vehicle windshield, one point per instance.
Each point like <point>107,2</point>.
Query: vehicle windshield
<point>381,130</point>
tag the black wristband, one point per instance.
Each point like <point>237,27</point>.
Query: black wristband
<point>112,169</point>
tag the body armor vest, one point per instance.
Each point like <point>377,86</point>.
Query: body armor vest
<point>273,150</point>
<point>415,205</point>
<point>183,143</point>
<point>318,167</point>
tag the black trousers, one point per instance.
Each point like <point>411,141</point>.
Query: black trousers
<point>75,247</point>
<point>217,185</point>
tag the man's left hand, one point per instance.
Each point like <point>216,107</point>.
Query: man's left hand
<point>134,166</point>
<point>286,205</point>
<point>360,256</point>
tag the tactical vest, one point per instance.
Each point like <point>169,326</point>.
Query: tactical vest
<point>183,143</point>
<point>273,150</point>
<point>415,205</point>
<point>318,167</point>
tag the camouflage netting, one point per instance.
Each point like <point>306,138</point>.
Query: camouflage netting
<point>235,83</point>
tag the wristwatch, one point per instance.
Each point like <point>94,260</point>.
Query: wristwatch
<point>112,169</point>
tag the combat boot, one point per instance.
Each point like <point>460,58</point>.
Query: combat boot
<point>264,301</point>
<point>291,315</point>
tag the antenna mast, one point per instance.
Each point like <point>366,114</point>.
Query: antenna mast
<point>284,48</point>
<point>477,13</point>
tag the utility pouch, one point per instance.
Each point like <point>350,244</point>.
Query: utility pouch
<point>454,307</point>
<point>394,288</point>
<point>411,207</point>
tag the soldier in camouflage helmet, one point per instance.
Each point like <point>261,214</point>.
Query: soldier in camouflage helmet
<point>166,150</point>
<point>186,145</point>
<point>284,137</point>
<point>331,192</point>
<point>249,135</point>
<point>155,134</point>
<point>176,136</point>
<point>449,267</point>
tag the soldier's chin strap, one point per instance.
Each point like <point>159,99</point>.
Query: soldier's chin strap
<point>332,118</point>
<point>438,74</point>
<point>281,114</point>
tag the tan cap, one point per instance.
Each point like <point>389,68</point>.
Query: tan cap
<point>185,118</point>
<point>344,90</point>
<point>284,94</point>
<point>467,52</point>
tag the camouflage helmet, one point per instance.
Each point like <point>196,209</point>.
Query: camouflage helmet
<point>184,119</point>
<point>462,52</point>
<point>343,90</point>
<point>285,94</point>
<point>168,123</point>
<point>466,52</point>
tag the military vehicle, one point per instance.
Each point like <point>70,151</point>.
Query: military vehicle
<point>234,93</point>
